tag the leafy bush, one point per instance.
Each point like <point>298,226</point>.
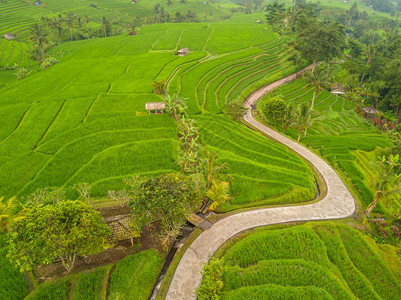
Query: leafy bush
<point>274,110</point>
<point>212,282</point>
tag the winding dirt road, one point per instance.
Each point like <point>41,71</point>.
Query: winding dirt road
<point>338,203</point>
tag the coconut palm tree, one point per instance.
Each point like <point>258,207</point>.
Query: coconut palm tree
<point>387,182</point>
<point>318,79</point>
<point>218,193</point>
<point>39,37</point>
<point>10,211</point>
<point>302,119</point>
<point>289,115</point>
<point>70,22</point>
<point>212,170</point>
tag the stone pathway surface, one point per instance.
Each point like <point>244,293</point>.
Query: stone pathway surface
<point>338,203</point>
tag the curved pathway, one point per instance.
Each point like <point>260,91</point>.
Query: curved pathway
<point>338,203</point>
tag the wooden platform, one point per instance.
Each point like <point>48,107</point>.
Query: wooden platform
<point>200,222</point>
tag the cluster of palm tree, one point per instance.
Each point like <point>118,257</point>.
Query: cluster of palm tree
<point>217,184</point>
<point>387,182</point>
<point>300,119</point>
<point>10,210</point>
<point>193,158</point>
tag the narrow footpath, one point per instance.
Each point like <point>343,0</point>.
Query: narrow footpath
<point>338,203</point>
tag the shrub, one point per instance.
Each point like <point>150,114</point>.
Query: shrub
<point>274,110</point>
<point>212,282</point>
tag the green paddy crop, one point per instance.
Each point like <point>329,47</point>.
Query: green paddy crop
<point>331,260</point>
<point>338,134</point>
<point>84,119</point>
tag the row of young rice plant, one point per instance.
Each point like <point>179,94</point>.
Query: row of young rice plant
<point>12,283</point>
<point>338,134</point>
<point>83,124</point>
<point>264,172</point>
<point>328,259</point>
<point>132,278</point>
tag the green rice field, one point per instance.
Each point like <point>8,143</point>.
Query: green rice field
<point>132,278</point>
<point>312,261</point>
<point>339,135</point>
<point>84,119</point>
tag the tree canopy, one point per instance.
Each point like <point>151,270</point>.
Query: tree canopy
<point>64,230</point>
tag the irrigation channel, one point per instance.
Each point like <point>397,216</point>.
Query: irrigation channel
<point>337,203</point>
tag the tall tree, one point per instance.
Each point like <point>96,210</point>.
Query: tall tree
<point>318,79</point>
<point>302,119</point>
<point>70,22</point>
<point>387,183</point>
<point>39,37</point>
<point>65,230</point>
<point>321,42</point>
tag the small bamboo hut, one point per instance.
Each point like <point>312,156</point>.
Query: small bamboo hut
<point>183,52</point>
<point>10,36</point>
<point>155,107</point>
<point>337,89</point>
<point>369,111</point>
<point>121,228</point>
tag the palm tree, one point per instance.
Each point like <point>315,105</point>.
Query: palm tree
<point>289,115</point>
<point>105,24</point>
<point>302,119</point>
<point>218,193</point>
<point>10,211</point>
<point>39,37</point>
<point>87,21</point>
<point>212,170</point>
<point>317,79</point>
<point>70,22</point>
<point>387,182</point>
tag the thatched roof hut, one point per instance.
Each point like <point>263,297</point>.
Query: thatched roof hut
<point>121,228</point>
<point>370,110</point>
<point>183,52</point>
<point>155,107</point>
<point>337,89</point>
<point>10,36</point>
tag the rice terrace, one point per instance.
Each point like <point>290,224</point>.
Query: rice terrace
<point>183,149</point>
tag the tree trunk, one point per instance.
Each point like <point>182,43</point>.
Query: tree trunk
<point>371,206</point>
<point>299,136</point>
<point>311,109</point>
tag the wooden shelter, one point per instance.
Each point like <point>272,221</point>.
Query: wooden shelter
<point>337,89</point>
<point>155,107</point>
<point>369,111</point>
<point>10,36</point>
<point>133,32</point>
<point>121,228</point>
<point>183,52</point>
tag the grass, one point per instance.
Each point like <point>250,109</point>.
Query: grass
<point>12,283</point>
<point>339,135</point>
<point>92,285</point>
<point>83,124</point>
<point>325,260</point>
<point>131,278</point>
<point>135,276</point>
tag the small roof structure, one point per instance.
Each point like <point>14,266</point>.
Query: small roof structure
<point>133,32</point>
<point>38,2</point>
<point>121,228</point>
<point>258,21</point>
<point>337,89</point>
<point>155,107</point>
<point>183,52</point>
<point>10,36</point>
<point>370,110</point>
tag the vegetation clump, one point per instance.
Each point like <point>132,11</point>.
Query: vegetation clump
<point>64,230</point>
